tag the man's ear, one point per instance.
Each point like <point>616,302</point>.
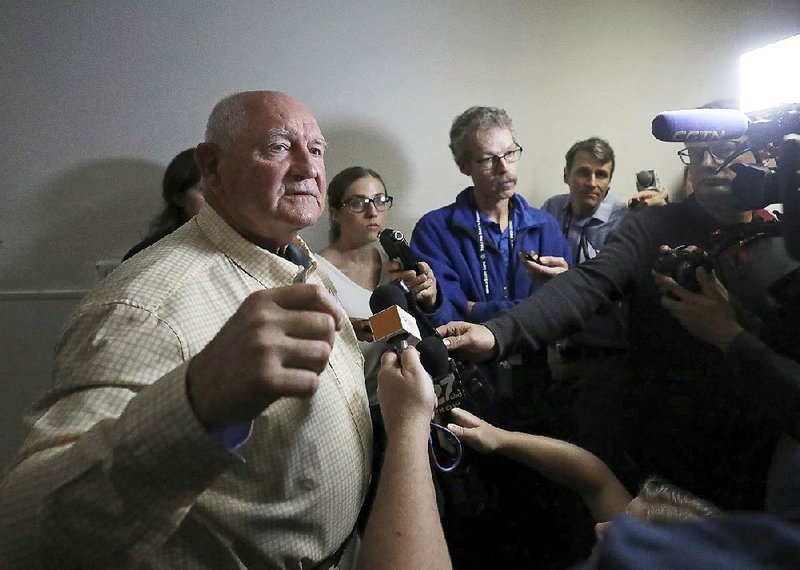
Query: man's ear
<point>206,155</point>
<point>565,175</point>
<point>463,166</point>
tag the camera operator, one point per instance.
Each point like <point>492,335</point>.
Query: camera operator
<point>684,421</point>
<point>767,372</point>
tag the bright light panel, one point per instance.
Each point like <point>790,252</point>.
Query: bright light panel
<point>770,76</point>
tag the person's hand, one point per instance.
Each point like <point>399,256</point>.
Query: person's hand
<point>362,329</point>
<point>651,197</point>
<point>472,341</point>
<point>544,268</point>
<point>708,315</point>
<point>275,345</point>
<point>478,434</point>
<point>405,392</point>
<point>421,283</point>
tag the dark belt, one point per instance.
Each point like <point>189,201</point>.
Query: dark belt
<point>584,352</point>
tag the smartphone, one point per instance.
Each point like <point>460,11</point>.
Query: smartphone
<point>532,256</point>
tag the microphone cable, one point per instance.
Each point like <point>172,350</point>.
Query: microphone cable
<point>455,442</point>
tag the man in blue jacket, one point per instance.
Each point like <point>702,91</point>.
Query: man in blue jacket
<point>476,245</point>
<point>477,248</point>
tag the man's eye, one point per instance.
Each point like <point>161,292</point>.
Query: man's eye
<point>278,147</point>
<point>316,151</point>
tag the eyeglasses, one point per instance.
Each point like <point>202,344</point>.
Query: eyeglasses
<point>720,151</point>
<point>358,204</point>
<point>489,162</point>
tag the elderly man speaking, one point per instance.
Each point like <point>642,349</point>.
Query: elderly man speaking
<point>209,409</point>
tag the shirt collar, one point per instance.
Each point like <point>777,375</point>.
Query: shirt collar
<point>247,255</point>
<point>603,211</point>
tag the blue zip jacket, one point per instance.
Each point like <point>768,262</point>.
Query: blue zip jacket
<point>447,240</point>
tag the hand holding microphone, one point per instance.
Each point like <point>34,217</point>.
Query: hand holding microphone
<point>416,275</point>
<point>392,324</point>
<point>398,328</point>
<point>405,393</point>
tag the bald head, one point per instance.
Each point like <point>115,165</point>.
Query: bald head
<point>262,165</point>
<point>229,116</point>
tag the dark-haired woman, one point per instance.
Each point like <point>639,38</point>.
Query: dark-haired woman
<point>358,204</point>
<point>182,191</point>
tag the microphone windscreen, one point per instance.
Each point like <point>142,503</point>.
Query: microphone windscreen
<point>385,296</point>
<point>644,178</point>
<point>393,322</point>
<point>700,125</point>
<point>433,356</point>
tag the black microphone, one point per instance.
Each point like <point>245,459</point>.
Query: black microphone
<point>435,360</point>
<point>384,296</point>
<point>700,125</point>
<point>396,247</point>
<point>467,382</point>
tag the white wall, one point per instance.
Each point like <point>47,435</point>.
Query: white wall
<point>96,97</point>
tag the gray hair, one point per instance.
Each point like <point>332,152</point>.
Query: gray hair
<point>226,120</point>
<point>472,120</point>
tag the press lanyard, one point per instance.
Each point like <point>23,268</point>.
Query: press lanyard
<point>482,247</point>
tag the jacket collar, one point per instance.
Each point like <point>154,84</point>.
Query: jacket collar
<point>464,212</point>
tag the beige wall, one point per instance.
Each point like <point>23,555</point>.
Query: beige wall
<point>96,98</point>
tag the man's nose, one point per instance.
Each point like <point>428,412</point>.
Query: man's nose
<point>708,159</point>
<point>500,164</point>
<point>304,164</point>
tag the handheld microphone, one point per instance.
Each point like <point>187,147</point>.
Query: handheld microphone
<point>396,247</point>
<point>391,323</point>
<point>411,306</point>
<point>468,383</point>
<point>700,125</point>
<point>435,360</point>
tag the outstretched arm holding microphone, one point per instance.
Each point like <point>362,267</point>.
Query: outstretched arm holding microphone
<point>404,530</point>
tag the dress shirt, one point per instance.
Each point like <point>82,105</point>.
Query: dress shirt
<point>118,472</point>
<point>586,237</point>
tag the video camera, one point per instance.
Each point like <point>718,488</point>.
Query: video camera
<point>771,126</point>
